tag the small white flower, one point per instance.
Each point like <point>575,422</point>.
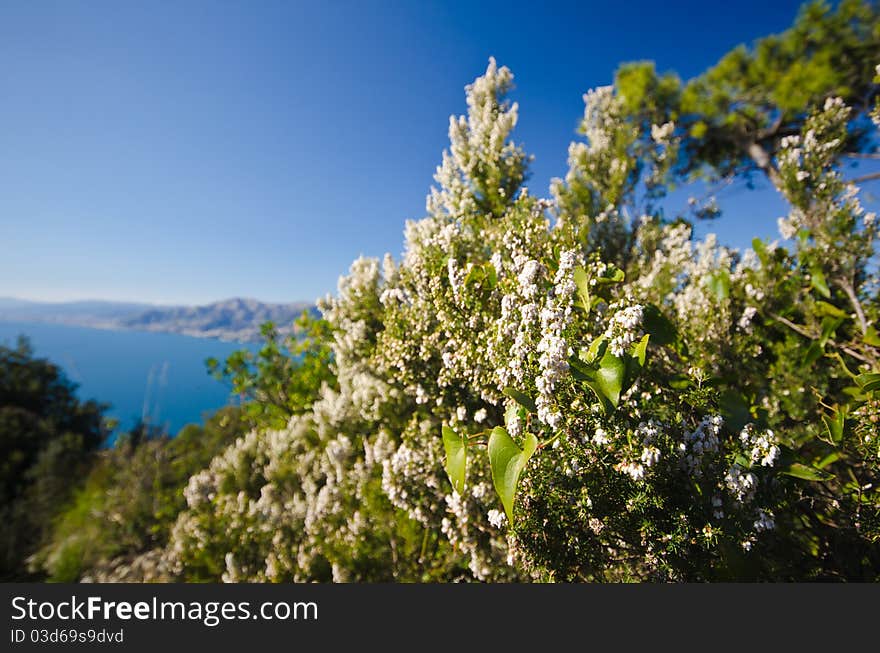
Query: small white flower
<point>497,518</point>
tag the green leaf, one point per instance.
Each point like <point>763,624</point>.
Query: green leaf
<point>662,330</point>
<point>829,326</point>
<point>476,275</point>
<point>595,352</point>
<point>807,473</point>
<point>869,381</point>
<point>817,280</point>
<point>814,352</point>
<point>760,249</point>
<point>827,460</point>
<point>579,370</point>
<point>734,409</point>
<point>607,380</point>
<point>719,284</point>
<point>824,308</point>
<point>491,274</point>
<point>871,337</point>
<point>612,274</point>
<point>640,350</point>
<point>456,458</point>
<point>583,287</point>
<point>522,399</point>
<point>507,461</point>
<point>834,425</point>
<point>699,129</point>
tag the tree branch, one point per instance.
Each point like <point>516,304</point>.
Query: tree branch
<point>847,287</point>
<point>806,334</point>
<point>859,180</point>
<point>861,155</point>
<point>762,159</point>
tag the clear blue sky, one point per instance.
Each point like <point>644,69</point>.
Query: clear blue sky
<point>184,152</point>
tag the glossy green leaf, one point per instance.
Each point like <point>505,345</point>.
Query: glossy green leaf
<point>456,458</point>
<point>521,398</point>
<point>869,381</point>
<point>607,380</point>
<point>579,370</point>
<point>595,351</point>
<point>640,350</point>
<point>807,473</point>
<point>507,461</point>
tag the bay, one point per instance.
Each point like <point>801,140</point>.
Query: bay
<point>156,377</point>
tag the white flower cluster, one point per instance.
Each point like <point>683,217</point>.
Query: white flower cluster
<point>703,440</point>
<point>530,273</point>
<point>740,483</point>
<point>762,446</point>
<point>479,142</point>
<point>635,470</point>
<point>624,327</point>
<point>598,121</point>
<point>497,518</point>
<point>745,321</point>
<point>765,521</point>
<point>660,134</point>
<point>553,349</point>
<point>648,433</point>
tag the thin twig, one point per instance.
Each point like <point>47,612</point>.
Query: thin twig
<point>872,177</point>
<point>862,155</point>
<point>854,300</point>
<point>806,334</point>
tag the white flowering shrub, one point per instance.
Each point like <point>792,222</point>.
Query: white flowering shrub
<point>556,389</point>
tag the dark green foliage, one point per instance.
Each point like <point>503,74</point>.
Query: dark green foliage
<point>47,440</point>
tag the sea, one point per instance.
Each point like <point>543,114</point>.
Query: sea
<point>160,378</point>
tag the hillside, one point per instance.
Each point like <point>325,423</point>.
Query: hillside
<point>232,319</point>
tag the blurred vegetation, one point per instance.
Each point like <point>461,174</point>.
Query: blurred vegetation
<point>132,495</point>
<point>78,508</point>
<point>47,441</point>
<point>283,378</point>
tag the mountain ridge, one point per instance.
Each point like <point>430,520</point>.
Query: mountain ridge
<point>235,319</point>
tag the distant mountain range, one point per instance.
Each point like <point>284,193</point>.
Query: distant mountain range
<point>232,319</point>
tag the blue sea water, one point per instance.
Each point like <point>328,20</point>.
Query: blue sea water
<point>157,377</point>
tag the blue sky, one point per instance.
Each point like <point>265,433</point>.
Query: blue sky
<point>185,152</point>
